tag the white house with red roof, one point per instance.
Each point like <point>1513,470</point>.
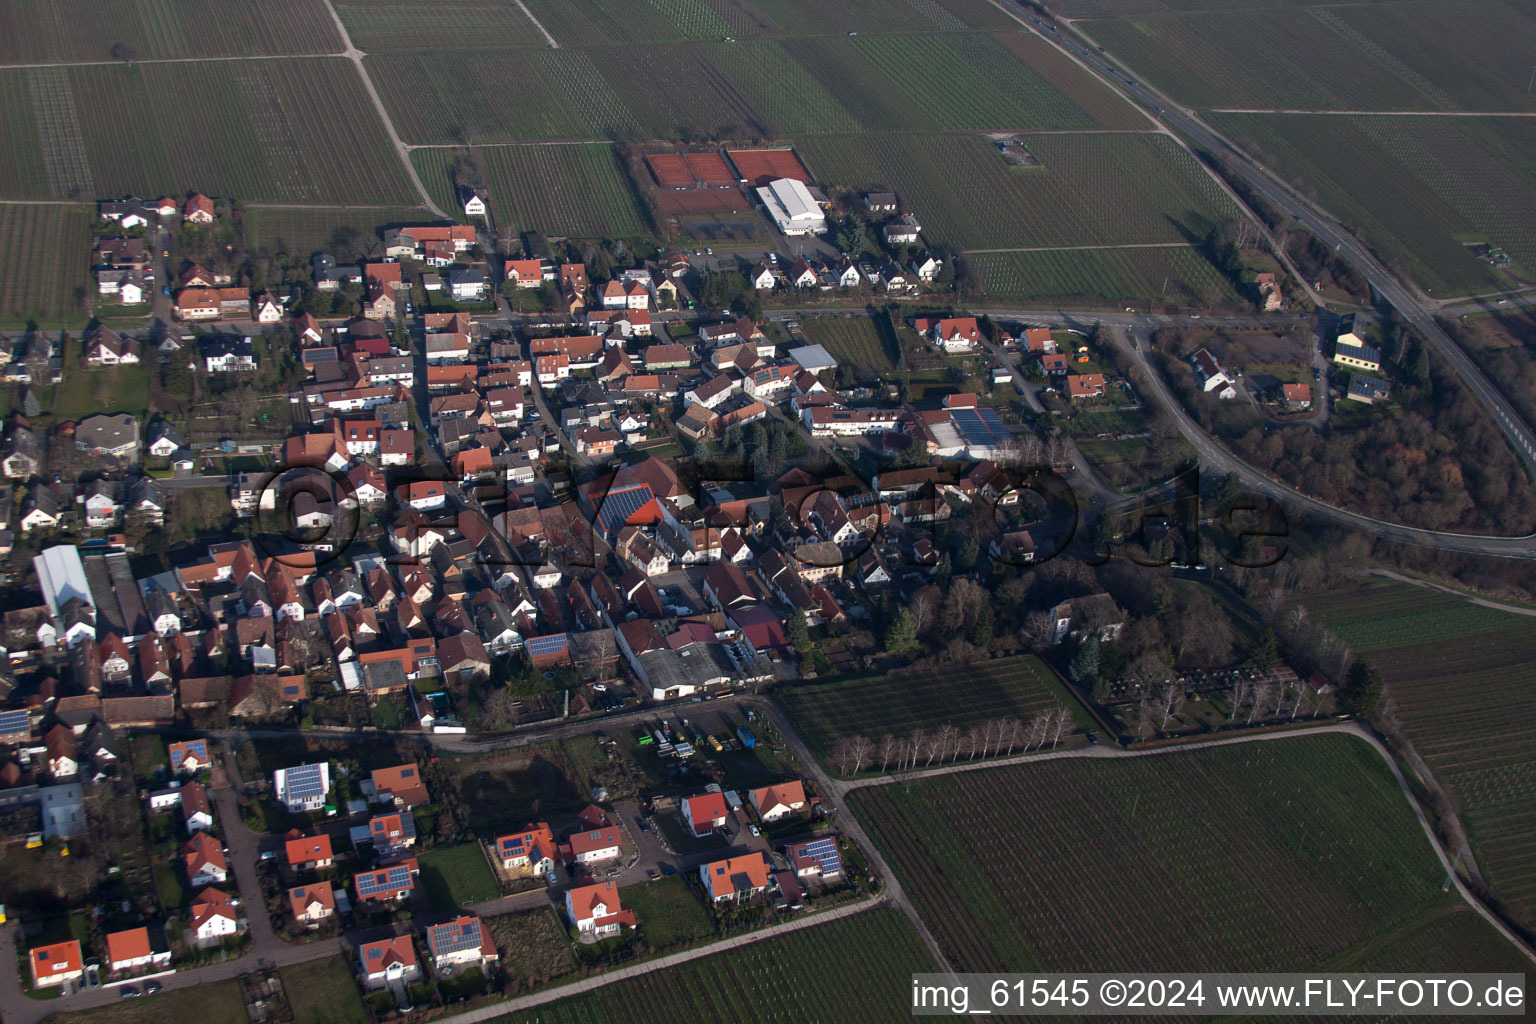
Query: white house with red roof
<point>203,858</point>
<point>312,904</point>
<point>56,964</point>
<point>213,916</point>
<point>133,950</point>
<point>704,813</point>
<point>778,800</point>
<point>462,942</point>
<point>388,960</point>
<point>957,334</point>
<point>594,845</point>
<point>735,878</point>
<point>596,911</point>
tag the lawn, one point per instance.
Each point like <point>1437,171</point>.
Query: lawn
<point>1260,857</point>
<point>48,255</point>
<point>324,992</point>
<point>127,388</point>
<point>215,1002</point>
<point>669,913</point>
<point>456,876</point>
<point>900,702</point>
<point>101,130</point>
<point>856,969</point>
<point>303,232</point>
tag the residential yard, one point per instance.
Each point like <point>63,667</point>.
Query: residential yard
<point>456,876</point>
<point>534,946</point>
<point>88,392</point>
<point>324,992</point>
<point>670,914</point>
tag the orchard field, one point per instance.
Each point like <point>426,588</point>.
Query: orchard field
<point>898,703</point>
<point>579,190</point>
<point>1462,682</point>
<point>1418,188</point>
<point>1270,856</point>
<point>87,30</point>
<point>855,969</point>
<point>252,130</point>
<point>48,255</point>
<point>853,341</point>
<point>1105,278</point>
<point>301,233</point>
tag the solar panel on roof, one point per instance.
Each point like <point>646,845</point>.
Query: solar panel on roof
<point>389,879</point>
<point>553,644</point>
<point>304,781</point>
<point>617,506</point>
<point>455,938</point>
<point>14,721</point>
<point>824,852</point>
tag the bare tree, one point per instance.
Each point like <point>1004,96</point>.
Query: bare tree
<point>1039,725</point>
<point>935,748</point>
<point>973,740</point>
<point>1012,730</point>
<point>500,711</point>
<point>1060,719</point>
<point>919,744</point>
<point>842,751</point>
<point>860,749</point>
<point>1263,691</point>
<point>949,742</point>
<point>1169,702</point>
<point>987,728</point>
<point>889,744</point>
<point>922,608</point>
<point>1296,619</point>
<point>1039,629</point>
<point>1144,725</point>
<point>1238,694</point>
<point>1274,602</point>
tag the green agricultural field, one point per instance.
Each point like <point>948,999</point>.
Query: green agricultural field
<point>456,876</point>
<point>87,30</point>
<point>1251,857</point>
<point>785,978</point>
<point>1463,689</point>
<point>853,341</point>
<point>302,232</point>
<point>324,992</point>
<point>456,24</point>
<point>93,131</point>
<point>1418,188</point>
<point>1455,56</point>
<point>899,703</point>
<point>1094,189</point>
<point>578,191</point>
<point>1105,278</point>
<point>48,255</point>
<point>593,22</point>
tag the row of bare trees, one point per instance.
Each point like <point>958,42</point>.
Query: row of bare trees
<point>923,747</point>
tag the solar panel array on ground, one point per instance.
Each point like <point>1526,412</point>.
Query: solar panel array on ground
<point>670,170</point>
<point>388,879</point>
<point>711,169</point>
<point>979,427</point>
<point>710,200</point>
<point>760,166</point>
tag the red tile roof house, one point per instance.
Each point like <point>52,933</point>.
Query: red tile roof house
<point>531,850</point>
<point>777,801</point>
<point>735,878</point>
<point>198,209</point>
<point>308,852</point>
<point>312,904</point>
<point>131,950</point>
<point>704,813</point>
<point>400,785</point>
<point>213,916</point>
<point>56,964</point>
<point>596,911</point>
<point>388,960</point>
<point>593,846</point>
<point>462,942</point>
<point>204,860</point>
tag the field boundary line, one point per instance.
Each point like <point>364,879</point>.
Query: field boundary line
<point>173,60</point>
<point>1375,113</point>
<point>536,23</point>
<point>1414,581</point>
<point>493,1010</point>
<point>1087,248</point>
<point>353,54</point>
